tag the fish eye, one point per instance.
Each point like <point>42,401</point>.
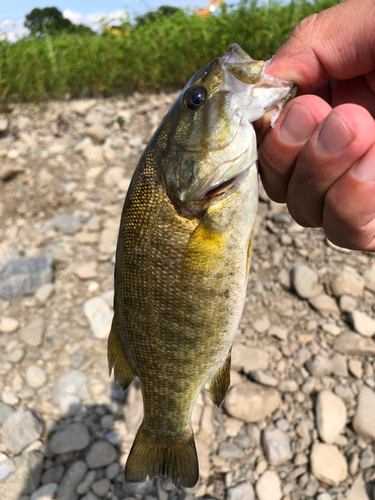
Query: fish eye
<point>194,98</point>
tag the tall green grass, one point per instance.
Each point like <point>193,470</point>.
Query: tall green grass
<point>162,54</point>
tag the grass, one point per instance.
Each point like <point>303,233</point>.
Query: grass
<point>159,55</point>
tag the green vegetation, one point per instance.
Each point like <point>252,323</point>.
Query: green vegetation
<point>159,53</point>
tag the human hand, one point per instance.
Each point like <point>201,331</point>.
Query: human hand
<point>320,156</point>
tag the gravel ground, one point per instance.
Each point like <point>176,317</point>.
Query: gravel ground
<point>299,420</point>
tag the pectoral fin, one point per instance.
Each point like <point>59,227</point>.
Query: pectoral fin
<point>218,386</point>
<point>117,360</point>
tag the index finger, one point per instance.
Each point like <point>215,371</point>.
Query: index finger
<point>336,43</point>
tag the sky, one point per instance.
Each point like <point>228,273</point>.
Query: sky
<point>12,14</point>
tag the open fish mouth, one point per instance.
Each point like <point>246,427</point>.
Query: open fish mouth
<point>225,186</point>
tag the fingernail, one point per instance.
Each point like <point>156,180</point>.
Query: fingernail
<point>334,135</point>
<point>298,124</point>
<point>365,168</point>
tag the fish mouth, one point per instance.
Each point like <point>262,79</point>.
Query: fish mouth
<point>225,186</point>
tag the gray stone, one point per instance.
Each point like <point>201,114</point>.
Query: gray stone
<point>362,324</point>
<point>242,491</point>
<point>330,416</point>
<point>26,275</point>
<point>348,283</point>
<point>251,402</point>
<point>325,305</point>
<point>53,475</point>
<point>319,366</point>
<point>32,333</point>
<point>305,281</point>
<point>364,419</point>
<point>20,475</point>
<point>73,438</point>
<point>99,315</point>
<point>68,224</point>
<point>101,487</point>
<point>328,464</point>
<point>46,492</point>
<point>276,445</point>
<point>71,479</point>
<point>367,459</point>
<point>35,377</point>
<point>354,344</point>
<point>22,428</point>
<point>5,411</point>
<point>248,358</point>
<point>84,487</point>
<point>229,450</point>
<point>69,390</point>
<point>101,454</point>
<point>268,486</point>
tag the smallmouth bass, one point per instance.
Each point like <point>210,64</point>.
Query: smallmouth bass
<point>183,257</point>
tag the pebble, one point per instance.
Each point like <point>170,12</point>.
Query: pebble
<point>100,454</point>
<point>369,277</point>
<point>330,416</point>
<point>68,224</point>
<point>22,428</point>
<point>263,377</point>
<point>69,390</point>
<point>364,419</point>
<point>46,492</point>
<point>328,464</point>
<point>74,437</point>
<point>35,377</point>
<point>251,402</point>
<point>362,323</point>
<point>262,324</point>
<point>86,271</point>
<point>358,491</point>
<point>99,315</point>
<point>287,385</point>
<point>355,368</point>
<point>33,332</point>
<point>354,344</point>
<point>276,445</point>
<point>5,411</point>
<point>71,479</point>
<point>248,358</point>
<point>348,283</point>
<point>101,487</point>
<point>268,486</point>
<point>305,281</point>
<point>25,275</point>
<point>324,304</point>
<point>242,491</point>
<point>8,325</point>
<point>347,303</point>
<point>22,476</point>
<point>319,366</point>
<point>229,450</point>
<point>279,333</point>
<point>44,292</point>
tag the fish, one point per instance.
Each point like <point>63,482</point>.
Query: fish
<point>183,258</point>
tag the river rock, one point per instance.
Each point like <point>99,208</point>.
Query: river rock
<point>348,283</point>
<point>330,416</point>
<point>46,492</point>
<point>242,491</point>
<point>362,324</point>
<point>68,224</point>
<point>73,438</point>
<point>101,454</point>
<point>325,304</point>
<point>25,275</point>
<point>369,277</point>
<point>22,428</point>
<point>364,419</point>
<point>8,325</point>
<point>328,464</point>
<point>305,281</point>
<point>20,475</point>
<point>248,358</point>
<point>356,345</point>
<point>71,479</point>
<point>99,315</point>
<point>32,333</point>
<point>268,486</point>
<point>251,402</point>
<point>276,446</point>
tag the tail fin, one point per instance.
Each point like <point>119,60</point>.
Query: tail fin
<point>175,460</point>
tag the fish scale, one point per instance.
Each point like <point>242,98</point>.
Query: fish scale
<point>182,259</point>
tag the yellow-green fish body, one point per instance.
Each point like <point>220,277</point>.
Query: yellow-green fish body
<point>183,258</point>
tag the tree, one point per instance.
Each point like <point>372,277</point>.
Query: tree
<point>52,19</point>
<point>153,15</point>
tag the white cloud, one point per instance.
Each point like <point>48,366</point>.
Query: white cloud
<point>13,30</point>
<point>74,17</point>
<point>94,20</point>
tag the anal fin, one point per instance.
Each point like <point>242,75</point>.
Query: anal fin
<point>218,386</point>
<point>117,360</point>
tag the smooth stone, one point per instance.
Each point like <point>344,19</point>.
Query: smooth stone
<point>69,390</point>
<point>99,315</point>
<point>101,487</point>
<point>4,124</point>
<point>248,358</point>
<point>319,366</point>
<point>369,277</point>
<point>44,292</point>
<point>364,419</point>
<point>348,283</point>
<point>68,224</point>
<point>74,437</point>
<point>279,333</point>
<point>330,415</point>
<point>8,325</point>
<point>22,428</point>
<point>35,377</point>
<point>229,450</point>
<point>355,368</point>
<point>5,411</point>
<point>276,445</point>
<point>328,464</point>
<point>86,271</point>
<point>347,303</point>
<point>33,332</point>
<point>354,344</point>
<point>71,479</point>
<point>113,176</point>
<point>263,378</point>
<point>82,107</point>
<point>362,323</point>
<point>339,365</point>
<point>53,475</point>
<point>262,324</point>
<point>84,487</point>
<point>325,305</point>
<point>46,492</point>
<point>268,486</point>
<point>287,385</point>
<point>101,454</point>
<point>251,402</point>
<point>358,491</point>
<point>242,491</point>
<point>305,281</point>
<point>93,154</point>
<point>97,133</point>
<point>26,275</point>
<point>20,475</point>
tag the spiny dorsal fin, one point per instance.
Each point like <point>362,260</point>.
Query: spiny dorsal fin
<point>219,384</point>
<point>117,360</point>
<point>175,459</point>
